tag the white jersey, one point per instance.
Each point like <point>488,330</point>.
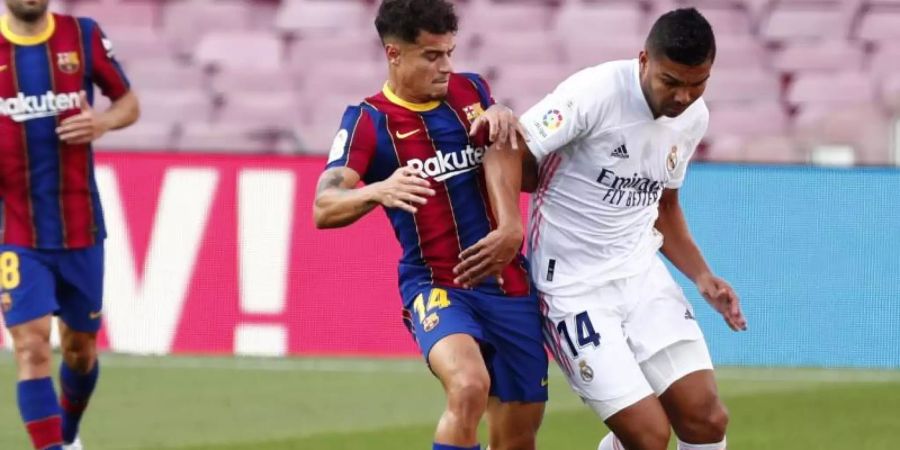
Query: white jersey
<point>604,163</point>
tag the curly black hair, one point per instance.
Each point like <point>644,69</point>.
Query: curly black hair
<point>684,36</point>
<point>405,19</point>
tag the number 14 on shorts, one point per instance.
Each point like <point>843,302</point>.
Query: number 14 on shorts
<point>584,333</point>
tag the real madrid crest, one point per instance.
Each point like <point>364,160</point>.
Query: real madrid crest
<point>587,374</point>
<point>672,159</point>
<point>68,62</point>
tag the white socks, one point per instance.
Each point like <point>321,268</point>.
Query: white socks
<point>610,442</point>
<point>716,446</point>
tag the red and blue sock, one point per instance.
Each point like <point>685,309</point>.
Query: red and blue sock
<point>41,413</point>
<point>437,446</point>
<point>76,392</point>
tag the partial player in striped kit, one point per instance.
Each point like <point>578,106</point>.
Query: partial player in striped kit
<point>51,255</point>
<point>613,144</point>
<point>451,192</point>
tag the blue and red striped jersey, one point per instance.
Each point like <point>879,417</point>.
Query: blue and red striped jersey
<point>385,132</point>
<point>47,188</point>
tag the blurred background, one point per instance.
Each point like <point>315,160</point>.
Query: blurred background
<point>230,322</point>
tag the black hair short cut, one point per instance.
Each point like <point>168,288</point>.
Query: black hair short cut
<point>405,19</point>
<point>684,36</point>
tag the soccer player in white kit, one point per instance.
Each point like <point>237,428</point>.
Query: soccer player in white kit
<point>612,144</point>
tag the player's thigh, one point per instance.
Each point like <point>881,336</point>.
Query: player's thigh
<point>513,425</point>
<point>593,352</point>
<point>80,291</point>
<point>516,357</point>
<point>682,375</point>
<point>458,363</point>
<point>447,331</point>
<point>662,316</point>
<point>27,285</point>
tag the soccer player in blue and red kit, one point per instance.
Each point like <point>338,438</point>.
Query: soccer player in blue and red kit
<point>435,151</point>
<point>51,241</point>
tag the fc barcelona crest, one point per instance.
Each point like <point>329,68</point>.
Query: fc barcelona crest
<point>5,301</point>
<point>473,111</point>
<point>68,62</point>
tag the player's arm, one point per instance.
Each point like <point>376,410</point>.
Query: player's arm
<point>89,125</point>
<point>340,203</point>
<point>679,247</point>
<point>490,255</point>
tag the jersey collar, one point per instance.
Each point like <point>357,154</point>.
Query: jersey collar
<point>417,107</point>
<point>18,39</point>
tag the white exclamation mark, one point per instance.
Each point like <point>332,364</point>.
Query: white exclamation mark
<point>265,213</point>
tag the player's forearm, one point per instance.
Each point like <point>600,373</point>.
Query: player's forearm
<point>339,207</point>
<point>503,174</point>
<point>678,245</point>
<point>122,113</point>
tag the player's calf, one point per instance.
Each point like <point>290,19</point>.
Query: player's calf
<point>78,376</point>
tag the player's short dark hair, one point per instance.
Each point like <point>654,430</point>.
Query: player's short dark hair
<point>405,19</point>
<point>684,36</point>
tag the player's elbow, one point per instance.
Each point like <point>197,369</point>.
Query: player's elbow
<point>321,219</point>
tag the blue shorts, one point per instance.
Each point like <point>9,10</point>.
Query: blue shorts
<point>508,329</point>
<point>67,283</point>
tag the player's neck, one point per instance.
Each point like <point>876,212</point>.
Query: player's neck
<point>647,101</point>
<point>404,94</point>
<point>23,28</point>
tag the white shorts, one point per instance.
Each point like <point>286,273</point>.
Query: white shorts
<point>606,341</point>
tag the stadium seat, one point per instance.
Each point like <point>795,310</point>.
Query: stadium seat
<point>134,44</point>
<point>347,47</point>
<point>584,52</point>
<point>222,49</point>
<point>804,21</point>
<point>880,25</point>
<point>270,111</point>
<point>143,135</point>
<point>750,119</point>
<point>600,21</point>
<point>864,127</point>
<point>323,17</point>
<point>250,79</point>
<point>345,79</point>
<point>133,13</point>
<point>740,52</point>
<point>890,92</point>
<point>160,105</point>
<point>885,59</point>
<point>156,74</point>
<point>742,86</point>
<point>505,17</point>
<point>185,22</point>
<point>205,137</point>
<point>520,87</point>
<point>498,50</point>
<point>819,56</point>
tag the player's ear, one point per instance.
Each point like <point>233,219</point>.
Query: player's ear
<point>392,51</point>
<point>643,60</point>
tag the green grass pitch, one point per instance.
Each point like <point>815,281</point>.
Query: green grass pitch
<point>158,403</point>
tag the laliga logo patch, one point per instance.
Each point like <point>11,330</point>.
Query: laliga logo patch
<point>553,120</point>
<point>337,146</point>
<point>68,62</point>
<point>672,159</point>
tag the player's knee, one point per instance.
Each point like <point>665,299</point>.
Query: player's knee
<point>79,357</point>
<point>468,394</point>
<point>652,438</point>
<point>705,425</point>
<point>33,350</point>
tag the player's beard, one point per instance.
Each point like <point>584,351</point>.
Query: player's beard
<point>25,12</point>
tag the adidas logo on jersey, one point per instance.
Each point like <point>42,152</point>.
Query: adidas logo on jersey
<point>22,108</point>
<point>448,165</point>
<point>620,152</point>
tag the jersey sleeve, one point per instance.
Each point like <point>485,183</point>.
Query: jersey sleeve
<point>355,142</point>
<point>106,72</point>
<point>696,135</point>
<point>483,88</point>
<point>561,117</point>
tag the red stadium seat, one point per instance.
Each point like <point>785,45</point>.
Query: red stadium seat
<point>742,86</point>
<point>819,56</point>
<point>797,22</point>
<point>323,17</point>
<point>223,49</point>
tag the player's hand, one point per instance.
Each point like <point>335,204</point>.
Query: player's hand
<point>502,126</point>
<point>488,257</point>
<point>723,299</point>
<point>405,189</point>
<point>82,128</point>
